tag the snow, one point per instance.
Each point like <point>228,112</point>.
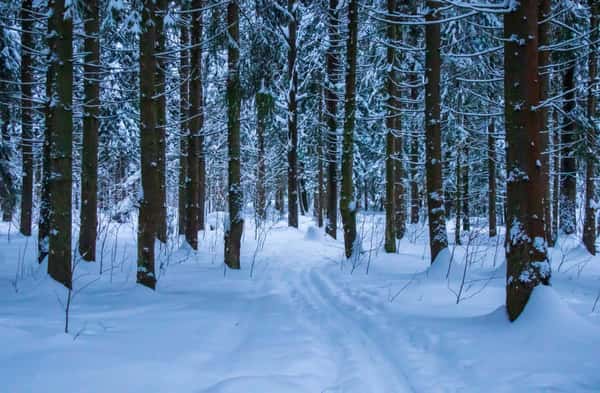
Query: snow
<point>308,320</point>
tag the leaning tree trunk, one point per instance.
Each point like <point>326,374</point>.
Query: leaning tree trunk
<point>27,44</point>
<point>491,151</point>
<point>332,62</point>
<point>347,198</point>
<point>89,158</point>
<point>184,113</point>
<point>292,144</point>
<point>196,120</point>
<point>438,239</point>
<point>568,170</point>
<point>589,222</point>
<point>391,123</point>
<point>149,146</point>
<point>526,260</point>
<point>544,77</point>
<point>233,234</point>
<point>60,183</point>
<point>161,117</point>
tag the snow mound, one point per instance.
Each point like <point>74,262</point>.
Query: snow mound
<point>446,266</point>
<point>312,233</point>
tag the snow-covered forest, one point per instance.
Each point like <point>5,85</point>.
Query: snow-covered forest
<point>353,196</point>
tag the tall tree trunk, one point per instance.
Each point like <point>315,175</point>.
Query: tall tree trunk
<point>292,144</point>
<point>568,170</point>
<point>347,198</point>
<point>89,158</point>
<point>589,222</point>
<point>492,231</point>
<point>44,215</point>
<point>458,197</point>
<point>161,117</point>
<point>184,113</point>
<point>391,123</point>
<point>149,146</point>
<point>233,234</point>
<point>332,63</point>
<point>556,178</point>
<point>303,191</point>
<point>27,45</point>
<point>438,239</point>
<point>543,75</point>
<point>526,260</point>
<point>196,120</point>
<point>320,196</point>
<point>60,184</point>
<point>399,189</point>
<point>415,200</point>
<point>465,196</point>
<point>263,109</point>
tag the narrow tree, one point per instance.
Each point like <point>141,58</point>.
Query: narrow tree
<point>526,261</point>
<point>491,151</point>
<point>568,166</point>
<point>589,222</point>
<point>332,64</point>
<point>233,234</point>
<point>415,201</point>
<point>184,112</point>
<point>391,122</point>
<point>196,120</point>
<point>60,182</point>
<point>347,198</point>
<point>27,50</point>
<point>149,141</point>
<point>91,125</point>
<point>161,116</point>
<point>292,145</point>
<point>438,239</point>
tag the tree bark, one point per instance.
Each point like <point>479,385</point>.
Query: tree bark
<point>60,183</point>
<point>526,260</point>
<point>292,144</point>
<point>465,196</point>
<point>458,197</point>
<point>347,198</point>
<point>27,47</point>
<point>556,177</point>
<point>233,234</point>
<point>492,226</point>
<point>149,145</point>
<point>415,201</point>
<point>161,117</point>
<point>589,222</point>
<point>89,158</point>
<point>543,75</point>
<point>195,142</point>
<point>184,114</point>
<point>332,62</point>
<point>438,239</point>
<point>568,170</point>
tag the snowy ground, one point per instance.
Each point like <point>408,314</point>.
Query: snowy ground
<point>304,321</point>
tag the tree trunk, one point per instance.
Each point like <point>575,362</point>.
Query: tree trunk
<point>438,239</point>
<point>184,114</point>
<point>263,110</point>
<point>347,199</point>
<point>196,120</point>
<point>60,183</point>
<point>391,123</point>
<point>161,117</point>
<point>568,170</point>
<point>27,44</point>
<point>89,157</point>
<point>526,261</point>
<point>465,196</point>
<point>492,231</point>
<point>399,189</point>
<point>233,234</point>
<point>292,144</point>
<point>415,200</point>
<point>332,62</point>
<point>556,182</point>
<point>458,197</point>
<point>544,78</point>
<point>589,223</point>
<point>149,145</point>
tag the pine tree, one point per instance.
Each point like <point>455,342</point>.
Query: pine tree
<point>27,50</point>
<point>292,144</point>
<point>526,260</point>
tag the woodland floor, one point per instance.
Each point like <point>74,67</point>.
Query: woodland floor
<point>301,320</point>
